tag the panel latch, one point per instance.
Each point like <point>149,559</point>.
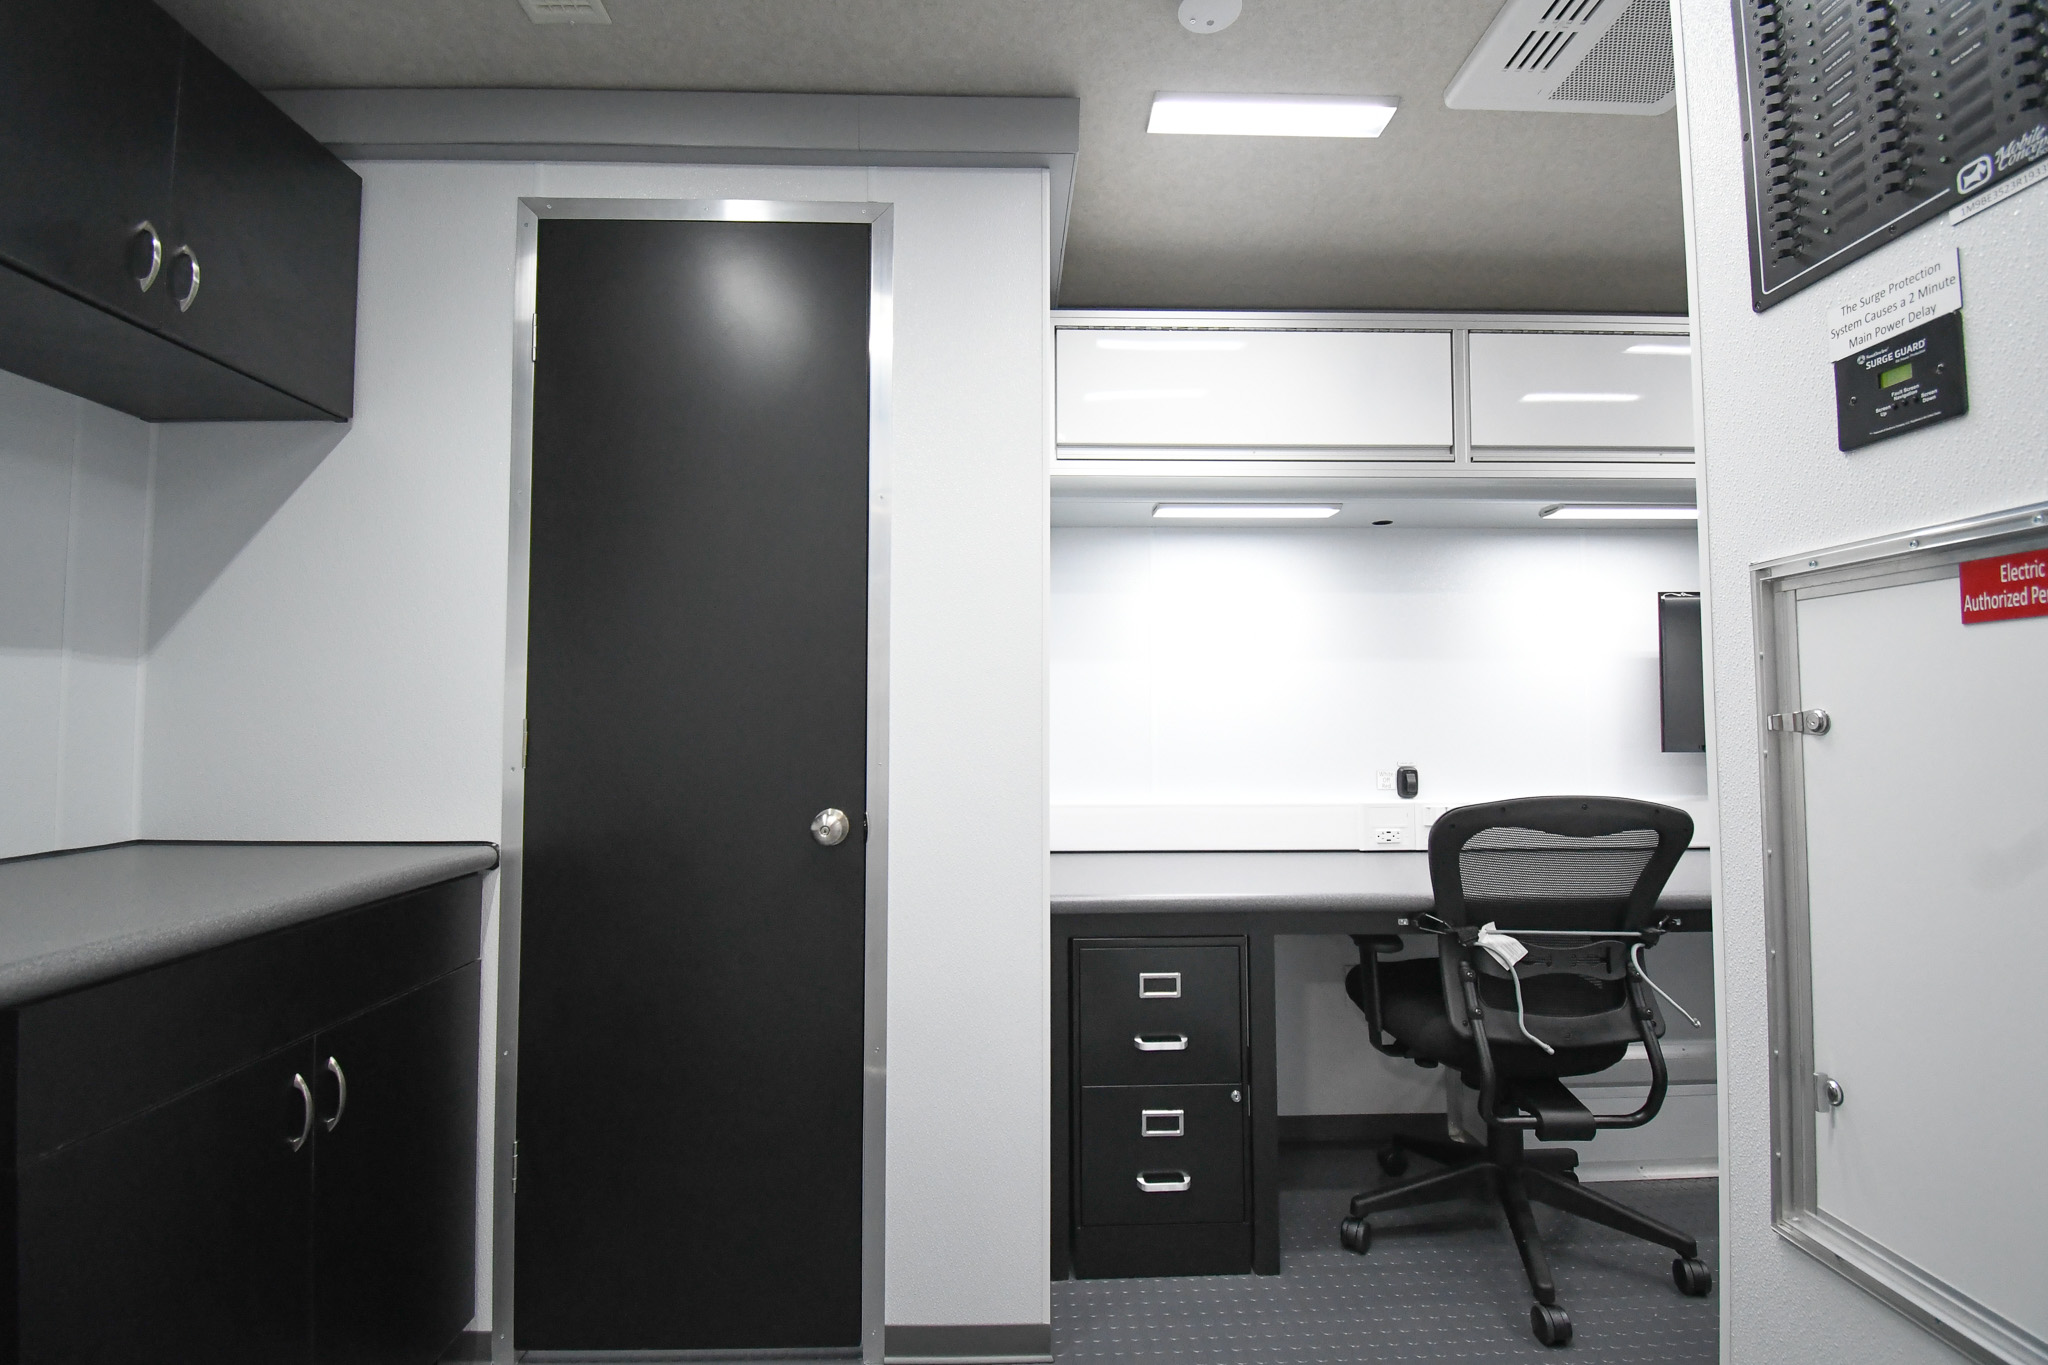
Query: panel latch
<point>1814,722</point>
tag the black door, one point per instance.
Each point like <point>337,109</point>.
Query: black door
<point>194,1221</point>
<point>394,1187</point>
<point>691,980</point>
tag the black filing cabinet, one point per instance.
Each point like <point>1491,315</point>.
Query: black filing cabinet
<point>1161,1107</point>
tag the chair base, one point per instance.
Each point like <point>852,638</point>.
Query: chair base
<point>1504,1171</point>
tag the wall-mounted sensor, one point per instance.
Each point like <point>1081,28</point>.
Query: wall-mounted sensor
<point>1407,782</point>
<point>1209,16</point>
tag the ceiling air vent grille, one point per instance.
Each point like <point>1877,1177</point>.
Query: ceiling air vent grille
<point>1571,56</point>
<point>1631,64</point>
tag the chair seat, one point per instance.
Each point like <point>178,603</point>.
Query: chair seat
<point>1412,1009</point>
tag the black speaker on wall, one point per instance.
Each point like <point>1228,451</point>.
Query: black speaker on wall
<point>1681,666</point>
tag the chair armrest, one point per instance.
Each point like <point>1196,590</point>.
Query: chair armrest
<point>1371,948</point>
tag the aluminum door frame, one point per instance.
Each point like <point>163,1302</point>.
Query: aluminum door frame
<point>874,1050</point>
<point>1776,589</point>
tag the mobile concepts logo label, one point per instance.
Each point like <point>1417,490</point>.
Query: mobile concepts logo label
<point>1974,176</point>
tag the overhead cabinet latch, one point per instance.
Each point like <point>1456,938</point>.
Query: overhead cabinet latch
<point>1814,722</point>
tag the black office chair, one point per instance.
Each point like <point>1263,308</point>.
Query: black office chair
<point>1576,880</point>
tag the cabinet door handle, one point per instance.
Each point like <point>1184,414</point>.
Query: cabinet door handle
<point>192,285</point>
<point>1161,1042</point>
<point>1164,1182</point>
<point>341,1095</point>
<point>306,1099</point>
<point>145,255</point>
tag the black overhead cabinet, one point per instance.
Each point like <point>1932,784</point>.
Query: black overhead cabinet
<point>171,244</point>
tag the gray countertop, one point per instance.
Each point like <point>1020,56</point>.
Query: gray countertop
<point>1137,882</point>
<point>69,919</point>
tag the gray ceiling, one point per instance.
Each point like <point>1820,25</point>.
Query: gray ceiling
<point>1449,209</point>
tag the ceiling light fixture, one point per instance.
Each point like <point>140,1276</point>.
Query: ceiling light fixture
<point>1272,115</point>
<point>1246,511</point>
<point>1661,348</point>
<point>1614,512</point>
<point>1581,397</point>
<point>1170,342</point>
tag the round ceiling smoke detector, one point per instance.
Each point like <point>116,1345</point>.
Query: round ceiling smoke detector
<point>1209,16</point>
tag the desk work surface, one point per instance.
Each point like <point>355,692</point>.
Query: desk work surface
<point>72,918</point>
<point>1178,883</point>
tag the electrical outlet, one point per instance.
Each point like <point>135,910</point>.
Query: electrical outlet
<point>1386,783</point>
<point>1389,836</point>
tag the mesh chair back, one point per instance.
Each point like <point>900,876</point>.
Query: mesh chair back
<point>1593,863</point>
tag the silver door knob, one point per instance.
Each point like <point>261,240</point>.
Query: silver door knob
<point>830,826</point>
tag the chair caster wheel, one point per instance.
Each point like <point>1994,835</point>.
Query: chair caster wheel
<point>1692,1277</point>
<point>1552,1326</point>
<point>1356,1235</point>
<point>1393,1161</point>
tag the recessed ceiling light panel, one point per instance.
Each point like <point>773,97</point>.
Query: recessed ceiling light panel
<point>1209,16</point>
<point>1617,512</point>
<point>1272,115</point>
<point>1246,511</point>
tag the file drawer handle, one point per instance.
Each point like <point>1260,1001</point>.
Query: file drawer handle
<point>1164,1182</point>
<point>1161,1042</point>
<point>1159,985</point>
<point>1162,1123</point>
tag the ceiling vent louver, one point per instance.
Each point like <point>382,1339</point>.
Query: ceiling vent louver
<point>566,11</point>
<point>1571,57</point>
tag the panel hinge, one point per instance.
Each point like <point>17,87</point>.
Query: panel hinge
<point>525,740</point>
<point>515,1165</point>
<point>533,340</point>
<point>1813,722</point>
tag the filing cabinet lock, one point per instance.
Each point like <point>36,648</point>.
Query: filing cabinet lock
<point>1159,985</point>
<point>1165,1123</point>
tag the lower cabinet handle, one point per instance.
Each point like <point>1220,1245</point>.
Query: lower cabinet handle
<point>1161,1042</point>
<point>1164,1182</point>
<point>306,1099</point>
<point>340,1093</point>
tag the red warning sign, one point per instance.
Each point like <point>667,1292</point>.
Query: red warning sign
<point>2006,587</point>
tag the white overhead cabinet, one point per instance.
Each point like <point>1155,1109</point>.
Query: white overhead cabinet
<point>1128,394</point>
<point>1581,396</point>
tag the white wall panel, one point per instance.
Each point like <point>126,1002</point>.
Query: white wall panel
<point>1556,395</point>
<point>329,659</point>
<point>1339,390</point>
<point>1774,484</point>
<point>1240,667</point>
<point>74,504</point>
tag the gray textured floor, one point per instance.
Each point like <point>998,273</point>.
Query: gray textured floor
<point>1441,1284</point>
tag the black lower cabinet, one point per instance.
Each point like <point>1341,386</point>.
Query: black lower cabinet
<point>182,1234</point>
<point>393,1176</point>
<point>311,1205</point>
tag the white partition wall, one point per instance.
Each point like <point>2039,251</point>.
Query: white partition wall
<point>1774,484</point>
<point>329,658</point>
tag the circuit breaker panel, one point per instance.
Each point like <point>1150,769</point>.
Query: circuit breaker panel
<point>1863,118</point>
